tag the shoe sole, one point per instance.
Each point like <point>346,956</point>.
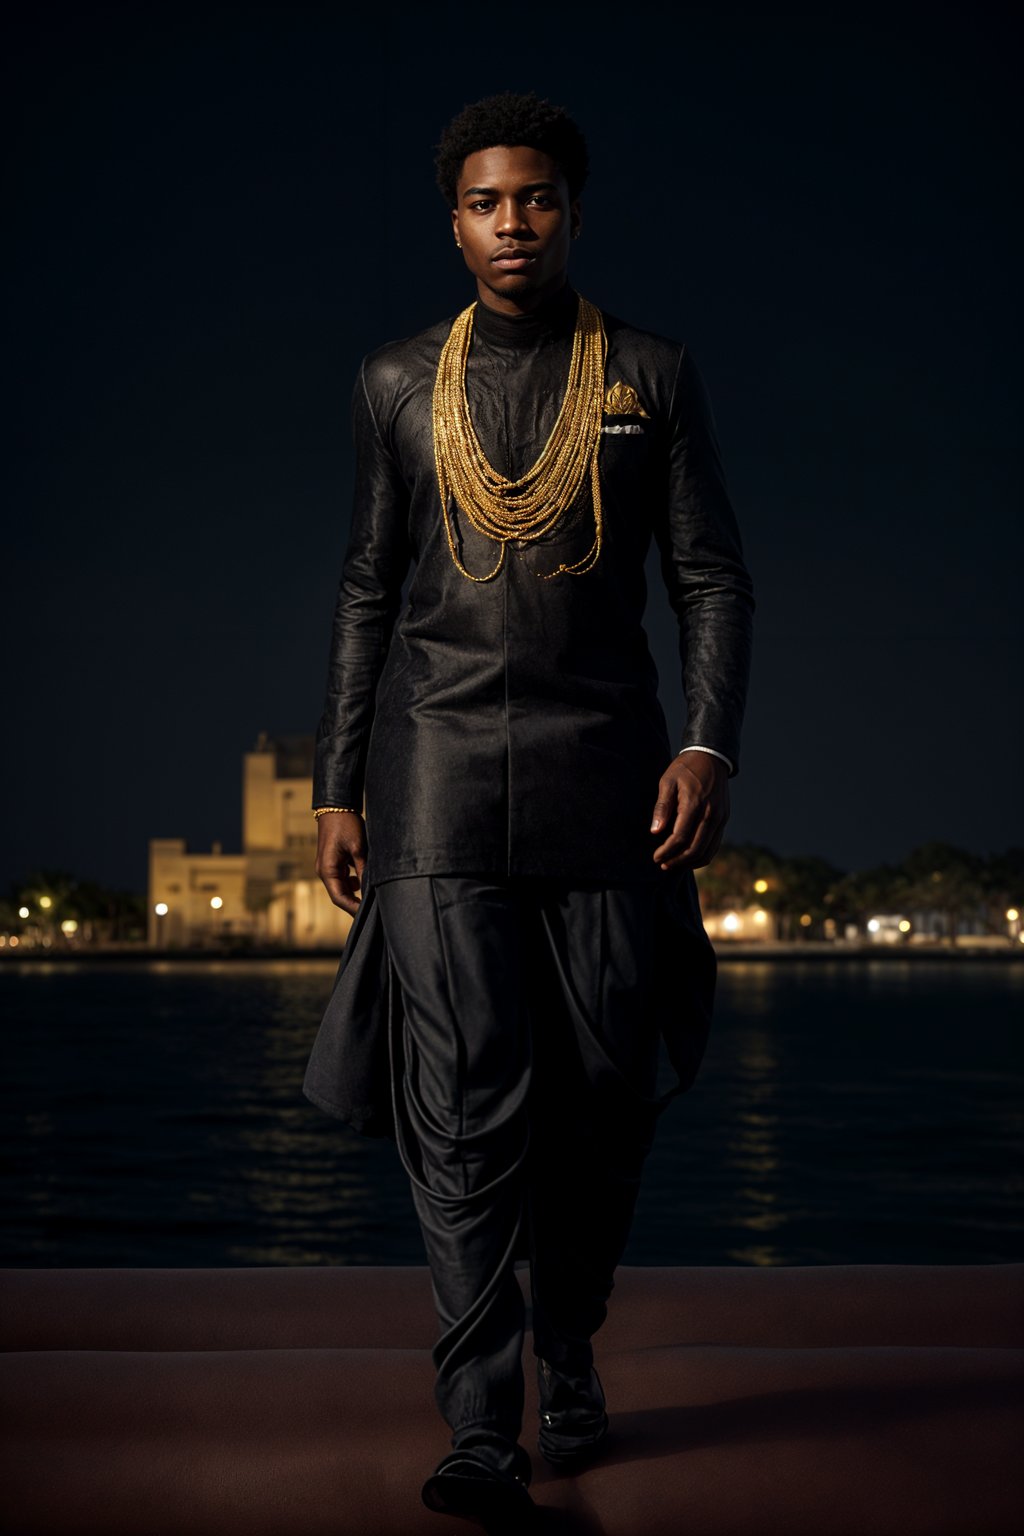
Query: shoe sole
<point>500,1507</point>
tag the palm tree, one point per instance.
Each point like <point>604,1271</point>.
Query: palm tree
<point>946,879</point>
<point>807,891</point>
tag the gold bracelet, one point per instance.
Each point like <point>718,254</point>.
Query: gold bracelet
<point>323,809</point>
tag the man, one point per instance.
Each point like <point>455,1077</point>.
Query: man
<point>529,837</point>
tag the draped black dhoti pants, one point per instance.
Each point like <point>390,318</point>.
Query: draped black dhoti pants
<point>525,1113</point>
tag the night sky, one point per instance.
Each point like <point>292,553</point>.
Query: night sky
<point>213,214</point>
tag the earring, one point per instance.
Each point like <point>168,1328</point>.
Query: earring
<point>458,245</point>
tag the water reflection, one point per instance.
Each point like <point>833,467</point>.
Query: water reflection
<point>844,1113</point>
<point>753,1148</point>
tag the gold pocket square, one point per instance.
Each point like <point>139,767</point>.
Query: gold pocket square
<point>622,400</point>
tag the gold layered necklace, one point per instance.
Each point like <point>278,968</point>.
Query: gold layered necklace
<point>526,508</point>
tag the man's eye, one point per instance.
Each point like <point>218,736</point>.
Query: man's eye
<point>540,197</point>
<point>483,203</point>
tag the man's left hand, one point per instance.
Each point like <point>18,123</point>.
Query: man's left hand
<point>693,807</point>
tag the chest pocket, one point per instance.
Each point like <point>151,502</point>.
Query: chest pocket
<point>627,447</point>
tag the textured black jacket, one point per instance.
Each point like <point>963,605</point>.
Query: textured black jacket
<point>513,726</point>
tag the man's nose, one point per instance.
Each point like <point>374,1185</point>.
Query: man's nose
<point>511,218</point>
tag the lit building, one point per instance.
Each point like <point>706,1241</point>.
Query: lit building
<point>270,893</point>
<point>740,922</point>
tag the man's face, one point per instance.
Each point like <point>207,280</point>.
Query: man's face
<point>514,200</point>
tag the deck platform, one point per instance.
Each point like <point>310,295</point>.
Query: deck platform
<point>836,1400</point>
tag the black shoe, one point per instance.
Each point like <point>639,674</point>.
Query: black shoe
<point>463,1485</point>
<point>573,1416</point>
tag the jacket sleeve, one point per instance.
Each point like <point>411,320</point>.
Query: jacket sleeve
<point>708,584</point>
<point>368,600</point>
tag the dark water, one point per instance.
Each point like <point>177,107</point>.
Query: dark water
<point>845,1112</point>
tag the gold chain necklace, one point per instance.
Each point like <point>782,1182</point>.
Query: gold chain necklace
<point>526,508</point>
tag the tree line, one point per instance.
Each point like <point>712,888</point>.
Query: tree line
<point>802,891</point>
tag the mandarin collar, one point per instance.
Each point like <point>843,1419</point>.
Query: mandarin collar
<point>555,317</point>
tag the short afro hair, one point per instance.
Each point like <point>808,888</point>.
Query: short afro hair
<point>511,118</point>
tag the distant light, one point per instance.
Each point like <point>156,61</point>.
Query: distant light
<point>23,911</point>
<point>14,941</point>
<point>161,909</point>
<point>216,901</point>
<point>1012,915</point>
<point>46,901</point>
<point>805,919</point>
<point>69,926</point>
<point>904,925</point>
<point>760,886</point>
<point>1020,937</point>
<point>873,925</point>
<point>760,916</point>
<point>731,920</point>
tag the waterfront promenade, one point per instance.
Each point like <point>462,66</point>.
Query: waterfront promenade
<point>833,1400</point>
<point>969,947</point>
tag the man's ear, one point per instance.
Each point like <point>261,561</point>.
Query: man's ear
<point>575,217</point>
<point>455,227</point>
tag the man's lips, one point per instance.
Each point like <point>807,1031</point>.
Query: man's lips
<point>513,258</point>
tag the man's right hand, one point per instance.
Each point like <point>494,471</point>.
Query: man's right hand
<point>341,857</point>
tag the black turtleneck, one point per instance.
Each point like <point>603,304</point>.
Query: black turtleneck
<point>553,318</point>
<point>516,376</point>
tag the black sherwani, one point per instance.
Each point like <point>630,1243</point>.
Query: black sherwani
<point>513,726</point>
